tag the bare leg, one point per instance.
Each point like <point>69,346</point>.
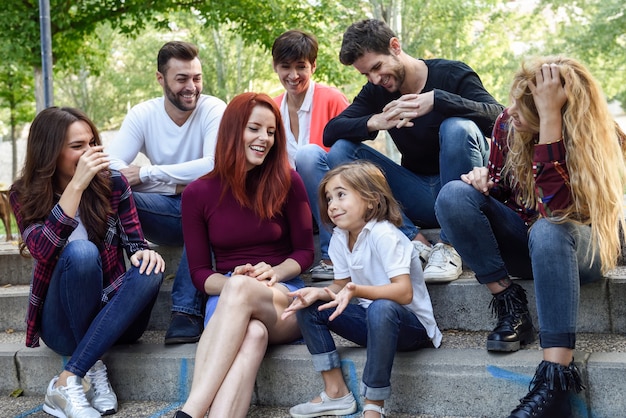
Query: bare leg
<point>334,385</point>
<point>560,355</point>
<point>233,398</point>
<point>242,299</point>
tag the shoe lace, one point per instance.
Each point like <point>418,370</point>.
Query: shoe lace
<point>440,256</point>
<point>77,396</point>
<point>99,380</point>
<point>324,266</point>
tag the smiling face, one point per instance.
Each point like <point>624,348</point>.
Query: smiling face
<point>295,76</point>
<point>182,83</point>
<point>346,207</point>
<point>382,70</point>
<point>258,136</point>
<point>78,139</point>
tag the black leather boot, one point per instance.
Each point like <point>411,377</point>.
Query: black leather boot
<point>181,414</point>
<point>515,327</point>
<point>549,392</point>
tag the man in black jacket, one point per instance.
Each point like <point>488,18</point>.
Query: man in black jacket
<point>438,114</point>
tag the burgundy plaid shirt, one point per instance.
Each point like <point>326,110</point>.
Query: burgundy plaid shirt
<point>46,240</point>
<point>550,173</point>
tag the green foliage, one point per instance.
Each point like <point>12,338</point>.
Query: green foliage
<point>593,31</point>
<point>105,50</point>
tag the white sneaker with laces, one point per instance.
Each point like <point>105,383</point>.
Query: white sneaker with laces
<point>423,250</point>
<point>444,264</point>
<point>104,399</point>
<point>68,401</point>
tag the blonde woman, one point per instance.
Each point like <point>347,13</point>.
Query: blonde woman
<point>548,206</point>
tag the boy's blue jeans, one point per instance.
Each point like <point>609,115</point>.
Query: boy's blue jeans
<point>75,322</point>
<point>495,242</point>
<point>384,328</point>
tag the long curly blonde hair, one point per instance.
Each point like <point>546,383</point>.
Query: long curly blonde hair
<point>594,154</point>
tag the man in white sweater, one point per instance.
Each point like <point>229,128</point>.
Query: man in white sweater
<point>177,133</point>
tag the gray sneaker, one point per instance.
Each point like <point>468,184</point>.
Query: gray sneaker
<point>104,399</point>
<point>68,401</point>
<point>340,406</point>
<point>322,271</point>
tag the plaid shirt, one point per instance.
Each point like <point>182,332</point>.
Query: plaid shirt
<point>549,169</point>
<point>46,240</point>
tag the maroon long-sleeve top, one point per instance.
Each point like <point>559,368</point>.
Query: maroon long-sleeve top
<point>235,235</point>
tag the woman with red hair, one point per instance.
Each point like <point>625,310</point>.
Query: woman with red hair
<point>248,233</point>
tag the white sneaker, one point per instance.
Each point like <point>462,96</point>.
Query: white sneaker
<point>423,250</point>
<point>68,401</point>
<point>444,264</point>
<point>104,399</point>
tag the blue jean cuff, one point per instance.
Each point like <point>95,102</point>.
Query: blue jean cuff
<point>552,340</point>
<point>375,394</point>
<point>324,362</point>
<point>188,311</point>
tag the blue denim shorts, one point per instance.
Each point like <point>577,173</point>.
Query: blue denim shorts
<point>211,303</point>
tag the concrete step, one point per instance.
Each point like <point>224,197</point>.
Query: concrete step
<point>458,379</point>
<point>462,304</point>
<point>461,379</point>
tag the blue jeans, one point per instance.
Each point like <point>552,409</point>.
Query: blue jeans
<point>311,164</point>
<point>495,242</point>
<point>75,322</point>
<point>462,147</point>
<point>384,328</point>
<point>161,222</point>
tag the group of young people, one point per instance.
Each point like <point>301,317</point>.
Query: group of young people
<point>240,185</point>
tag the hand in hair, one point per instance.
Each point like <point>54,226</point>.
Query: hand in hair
<point>549,94</point>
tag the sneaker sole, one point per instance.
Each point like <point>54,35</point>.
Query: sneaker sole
<point>53,411</point>
<point>322,279</point>
<point>333,412</point>
<point>435,278</point>
<point>440,280</point>
<point>181,340</point>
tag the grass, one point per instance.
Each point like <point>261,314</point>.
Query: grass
<point>14,229</point>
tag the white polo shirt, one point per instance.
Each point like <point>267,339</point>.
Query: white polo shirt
<point>381,252</point>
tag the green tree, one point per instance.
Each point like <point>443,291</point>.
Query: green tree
<point>16,97</point>
<point>593,31</point>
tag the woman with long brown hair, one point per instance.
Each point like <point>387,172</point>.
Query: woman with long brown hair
<point>248,232</point>
<point>76,219</point>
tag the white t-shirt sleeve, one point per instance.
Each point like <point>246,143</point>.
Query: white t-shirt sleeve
<point>175,153</point>
<point>205,125</point>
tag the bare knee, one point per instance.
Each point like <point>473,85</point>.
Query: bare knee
<point>256,337</point>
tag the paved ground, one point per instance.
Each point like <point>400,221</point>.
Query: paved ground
<point>31,408</point>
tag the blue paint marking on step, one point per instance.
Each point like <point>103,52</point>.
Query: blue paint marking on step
<point>183,390</point>
<point>32,411</point>
<point>348,368</point>
<point>500,373</point>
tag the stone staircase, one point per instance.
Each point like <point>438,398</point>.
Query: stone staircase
<point>460,379</point>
